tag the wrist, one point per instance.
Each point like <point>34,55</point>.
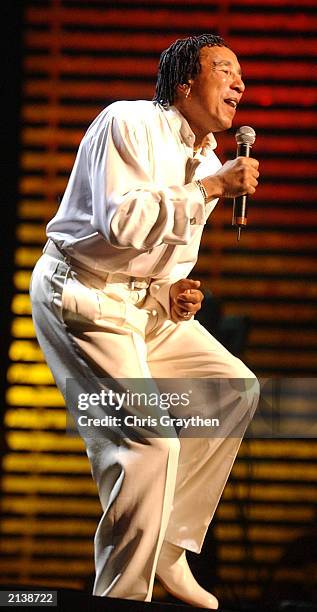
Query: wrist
<point>213,186</point>
<point>202,190</point>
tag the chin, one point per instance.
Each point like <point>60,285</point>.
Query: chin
<point>227,123</point>
<point>224,125</point>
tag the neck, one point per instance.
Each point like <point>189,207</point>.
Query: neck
<point>194,124</point>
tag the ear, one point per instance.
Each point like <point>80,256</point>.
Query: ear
<point>184,88</point>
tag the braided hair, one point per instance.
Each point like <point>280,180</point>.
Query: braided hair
<point>179,63</point>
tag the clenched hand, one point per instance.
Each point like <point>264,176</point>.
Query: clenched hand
<point>236,177</point>
<point>185,299</point>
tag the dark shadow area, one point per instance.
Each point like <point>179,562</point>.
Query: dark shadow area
<point>231,331</point>
<point>11,25</point>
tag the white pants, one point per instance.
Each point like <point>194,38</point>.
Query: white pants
<point>153,487</point>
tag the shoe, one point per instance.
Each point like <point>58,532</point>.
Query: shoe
<point>175,575</point>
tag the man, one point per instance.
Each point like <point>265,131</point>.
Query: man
<point>111,300</point>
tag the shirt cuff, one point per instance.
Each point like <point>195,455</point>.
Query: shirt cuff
<point>197,204</point>
<point>160,290</point>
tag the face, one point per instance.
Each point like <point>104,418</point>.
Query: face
<point>215,92</point>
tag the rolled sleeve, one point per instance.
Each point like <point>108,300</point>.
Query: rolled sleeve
<point>129,209</point>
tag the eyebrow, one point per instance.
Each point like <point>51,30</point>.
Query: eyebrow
<point>225,63</point>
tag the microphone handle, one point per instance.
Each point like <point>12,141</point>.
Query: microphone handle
<point>240,203</point>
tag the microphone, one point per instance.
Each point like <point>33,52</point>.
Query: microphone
<point>245,138</point>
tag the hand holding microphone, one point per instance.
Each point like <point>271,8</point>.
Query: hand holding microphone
<point>245,138</point>
<point>237,178</point>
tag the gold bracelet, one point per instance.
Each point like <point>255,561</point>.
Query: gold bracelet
<point>202,191</point>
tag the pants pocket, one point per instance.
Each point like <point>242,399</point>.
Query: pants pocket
<point>82,302</point>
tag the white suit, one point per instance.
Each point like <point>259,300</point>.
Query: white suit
<point>131,209</point>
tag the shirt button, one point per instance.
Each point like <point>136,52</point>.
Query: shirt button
<point>192,221</point>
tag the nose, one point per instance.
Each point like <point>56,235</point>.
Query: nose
<point>237,83</point>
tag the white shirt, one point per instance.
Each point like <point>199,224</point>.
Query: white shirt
<point>131,205</point>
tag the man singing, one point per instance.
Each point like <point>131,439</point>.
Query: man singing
<point>112,300</point>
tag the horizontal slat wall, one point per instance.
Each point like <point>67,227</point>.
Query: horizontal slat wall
<point>79,56</point>
<point>271,274</point>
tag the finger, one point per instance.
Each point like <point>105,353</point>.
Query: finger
<point>179,318</point>
<point>192,283</point>
<point>190,298</point>
<point>251,185</point>
<point>185,305</point>
<point>186,287</point>
<point>253,162</point>
<point>189,283</point>
<point>181,310</point>
<point>184,308</point>
<point>247,162</point>
<point>186,316</point>
<point>184,312</point>
<point>190,292</point>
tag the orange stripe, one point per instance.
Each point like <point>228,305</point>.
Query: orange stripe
<point>159,18</point>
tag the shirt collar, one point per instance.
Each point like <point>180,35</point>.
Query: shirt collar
<point>209,142</point>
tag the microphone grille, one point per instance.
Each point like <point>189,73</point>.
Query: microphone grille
<point>245,135</point>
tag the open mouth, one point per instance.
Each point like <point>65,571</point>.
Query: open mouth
<point>231,102</point>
